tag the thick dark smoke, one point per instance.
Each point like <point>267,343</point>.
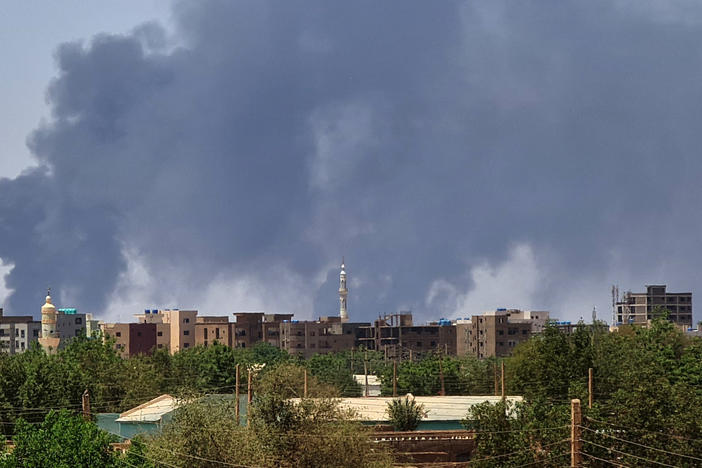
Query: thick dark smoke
<point>420,139</point>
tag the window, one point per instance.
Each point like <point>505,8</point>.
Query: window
<point>159,333</point>
<point>501,343</point>
<point>160,345</point>
<point>79,321</point>
<point>186,332</point>
<point>118,334</point>
<point>186,320</point>
<point>433,343</point>
<point>35,333</point>
<point>205,334</point>
<point>419,344</point>
<point>524,332</point>
<point>22,334</point>
<point>205,343</point>
<point>186,345</point>
<point>501,332</point>
<point>138,333</point>
<point>217,333</point>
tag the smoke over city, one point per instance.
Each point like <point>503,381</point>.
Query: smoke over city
<point>460,155</point>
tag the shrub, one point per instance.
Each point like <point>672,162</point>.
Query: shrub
<point>405,413</point>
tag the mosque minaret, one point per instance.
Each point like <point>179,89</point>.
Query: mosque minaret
<point>343,293</point>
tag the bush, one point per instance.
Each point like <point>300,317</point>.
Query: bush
<point>405,413</point>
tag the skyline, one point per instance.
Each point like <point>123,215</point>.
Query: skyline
<point>474,155</point>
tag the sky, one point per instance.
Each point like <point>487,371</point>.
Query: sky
<point>461,155</point>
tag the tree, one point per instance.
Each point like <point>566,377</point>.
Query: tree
<point>287,380</point>
<point>517,429</point>
<point>62,440</point>
<point>405,414</point>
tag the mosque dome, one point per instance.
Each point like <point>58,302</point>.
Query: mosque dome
<point>48,307</point>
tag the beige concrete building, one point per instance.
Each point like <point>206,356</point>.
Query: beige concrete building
<point>17,333</point>
<point>211,329</point>
<point>175,328</point>
<point>639,308</point>
<point>498,332</point>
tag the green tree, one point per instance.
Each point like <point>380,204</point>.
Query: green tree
<point>510,435</point>
<point>62,440</point>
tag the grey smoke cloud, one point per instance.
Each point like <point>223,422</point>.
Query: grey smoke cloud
<point>426,142</point>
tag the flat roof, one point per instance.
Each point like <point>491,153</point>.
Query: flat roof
<point>438,408</point>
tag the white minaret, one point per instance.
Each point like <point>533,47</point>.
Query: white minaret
<point>343,293</point>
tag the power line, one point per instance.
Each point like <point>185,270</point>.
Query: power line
<point>641,445</point>
<point>604,460</point>
<point>627,454</point>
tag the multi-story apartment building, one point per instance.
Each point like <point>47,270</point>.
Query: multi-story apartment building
<point>326,335</point>
<point>18,332</point>
<point>175,328</point>
<point>131,339</point>
<point>397,335</point>
<point>498,332</point>
<point>639,308</point>
<point>210,329</point>
<point>271,327</point>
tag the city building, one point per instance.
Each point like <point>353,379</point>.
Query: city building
<point>175,328</point>
<point>397,336</point>
<point>326,335</point>
<point>131,339</point>
<point>58,326</point>
<point>17,333</point>
<point>640,308</point>
<point>498,332</point>
<point>210,329</point>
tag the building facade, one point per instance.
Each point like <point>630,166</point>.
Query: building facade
<point>211,329</point>
<point>397,336</point>
<point>640,308</point>
<point>175,328</point>
<point>496,333</point>
<point>131,339</point>
<point>17,333</point>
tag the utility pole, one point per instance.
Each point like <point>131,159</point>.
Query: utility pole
<point>589,388</point>
<point>304,392</point>
<point>576,419</point>
<point>86,405</point>
<point>441,376</point>
<point>236,394</point>
<point>394,378</point>
<point>365,370</point>
<point>411,355</point>
<point>502,365</point>
<point>249,399</point>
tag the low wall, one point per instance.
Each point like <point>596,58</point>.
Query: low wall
<point>428,446</point>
